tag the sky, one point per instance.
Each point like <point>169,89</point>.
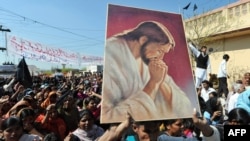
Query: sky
<point>77,25</point>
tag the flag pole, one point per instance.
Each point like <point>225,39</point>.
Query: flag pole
<point>23,67</point>
<point>185,8</point>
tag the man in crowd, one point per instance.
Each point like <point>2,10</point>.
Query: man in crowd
<point>203,66</point>
<point>206,90</point>
<point>223,76</point>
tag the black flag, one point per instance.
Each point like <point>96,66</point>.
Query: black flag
<point>195,7</point>
<point>23,74</point>
<point>186,7</point>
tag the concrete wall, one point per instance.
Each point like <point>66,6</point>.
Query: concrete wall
<point>234,40</point>
<point>238,48</point>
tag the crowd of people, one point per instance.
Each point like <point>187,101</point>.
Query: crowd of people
<point>52,109</point>
<point>220,104</point>
<point>69,108</point>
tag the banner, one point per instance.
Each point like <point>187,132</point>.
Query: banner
<point>40,52</point>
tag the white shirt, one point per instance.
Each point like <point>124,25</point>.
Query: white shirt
<point>228,97</point>
<point>222,69</point>
<point>205,93</point>
<point>232,102</point>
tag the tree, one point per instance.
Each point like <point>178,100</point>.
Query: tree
<point>209,29</point>
<point>201,29</point>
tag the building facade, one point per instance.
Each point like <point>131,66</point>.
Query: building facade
<point>225,30</point>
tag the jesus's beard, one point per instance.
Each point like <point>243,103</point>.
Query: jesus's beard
<point>143,54</point>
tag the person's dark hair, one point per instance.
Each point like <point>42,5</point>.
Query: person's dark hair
<point>74,138</point>
<point>188,123</point>
<point>203,47</point>
<point>11,121</point>
<point>48,88</point>
<point>239,115</point>
<point>149,29</point>
<point>169,122</point>
<point>79,102</point>
<point>208,83</point>
<point>205,81</point>
<point>130,133</point>
<point>202,104</point>
<point>6,107</point>
<point>86,112</point>
<point>52,96</point>
<point>211,107</point>
<point>213,79</point>
<point>51,137</point>
<point>17,109</point>
<point>225,56</point>
<point>25,112</point>
<point>214,93</point>
<point>69,97</point>
<point>28,98</point>
<point>88,99</point>
<point>239,81</point>
<point>155,32</point>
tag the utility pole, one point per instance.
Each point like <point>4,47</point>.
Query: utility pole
<point>4,48</point>
<point>4,30</point>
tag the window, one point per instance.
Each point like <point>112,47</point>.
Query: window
<point>244,9</point>
<point>237,11</point>
<point>230,13</point>
<point>219,17</point>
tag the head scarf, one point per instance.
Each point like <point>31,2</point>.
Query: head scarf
<point>47,101</point>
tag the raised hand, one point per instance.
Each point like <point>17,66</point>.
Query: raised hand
<point>115,132</point>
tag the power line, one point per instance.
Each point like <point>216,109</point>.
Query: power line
<point>54,27</point>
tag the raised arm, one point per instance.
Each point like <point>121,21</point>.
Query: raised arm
<point>209,132</point>
<point>115,132</point>
<point>194,50</point>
